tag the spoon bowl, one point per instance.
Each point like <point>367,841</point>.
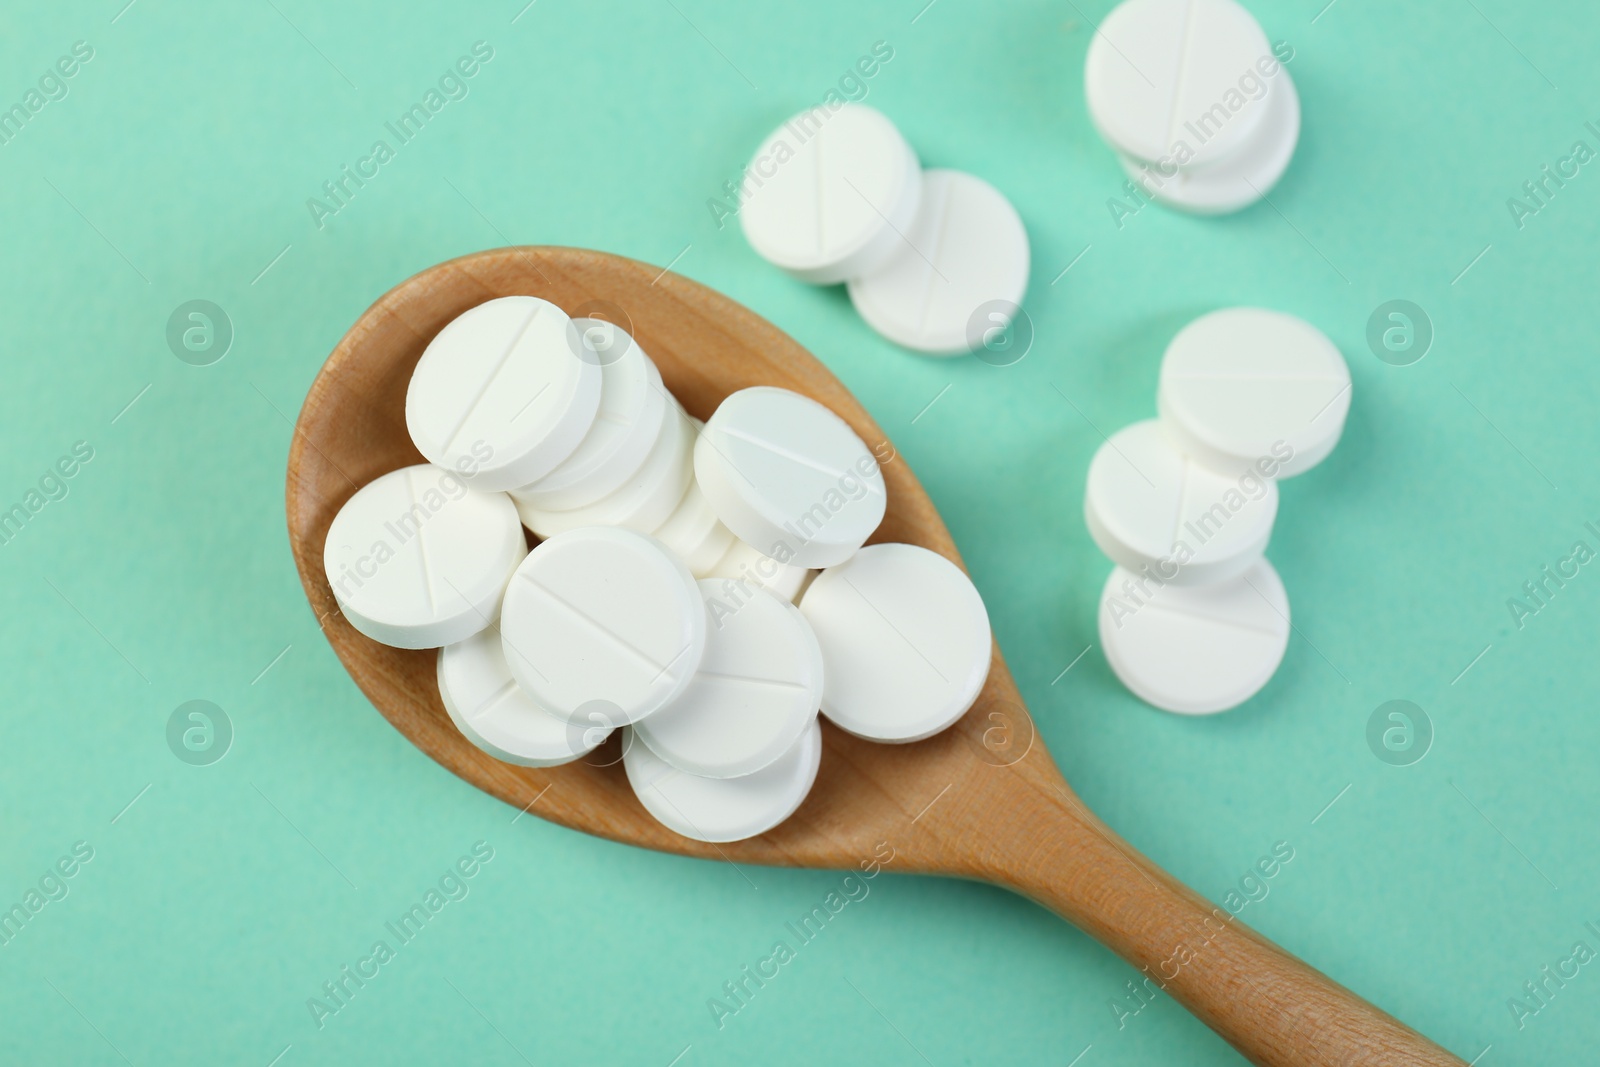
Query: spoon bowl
<point>981,800</point>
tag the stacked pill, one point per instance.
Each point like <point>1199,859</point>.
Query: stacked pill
<point>660,599</point>
<point>934,260</point>
<point>1193,618</point>
<point>1194,100</point>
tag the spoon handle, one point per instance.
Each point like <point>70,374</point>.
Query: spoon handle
<point>1275,1009</point>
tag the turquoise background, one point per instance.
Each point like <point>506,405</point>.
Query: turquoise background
<point>178,167</point>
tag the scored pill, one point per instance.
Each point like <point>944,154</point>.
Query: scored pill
<point>789,477</point>
<point>1195,651</point>
<point>1247,386</point>
<point>758,687</point>
<point>501,395</point>
<point>492,711</point>
<point>1152,507</point>
<point>416,559</point>
<point>1195,100</point>
<point>830,192</point>
<point>603,621</point>
<point>905,642</point>
<point>960,275</point>
<point>1157,72</point>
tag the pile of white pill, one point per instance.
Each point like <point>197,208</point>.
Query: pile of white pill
<point>1195,100</point>
<point>661,596</point>
<point>933,260</point>
<point>1193,618</point>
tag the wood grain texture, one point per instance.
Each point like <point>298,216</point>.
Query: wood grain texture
<point>982,800</point>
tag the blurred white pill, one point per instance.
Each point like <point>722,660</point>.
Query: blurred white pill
<point>1149,505</point>
<point>416,559</point>
<point>789,477</point>
<point>1162,79</point>
<point>1195,650</point>
<point>830,192</point>
<point>1241,179</point>
<point>1248,387</point>
<point>501,395</point>
<point>493,712</point>
<point>757,690</point>
<point>1195,101</point>
<point>905,642</point>
<point>603,621</point>
<point>632,404</point>
<point>962,270</point>
<point>723,809</point>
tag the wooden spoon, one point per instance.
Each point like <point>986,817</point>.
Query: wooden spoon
<point>982,800</point>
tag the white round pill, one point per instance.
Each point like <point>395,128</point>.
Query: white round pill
<point>416,559</point>
<point>830,192</point>
<point>500,395</point>
<point>693,532</point>
<point>1178,80</point>
<point>645,499</point>
<point>789,477</point>
<point>1149,505</point>
<point>757,690</point>
<point>1242,178</point>
<point>743,568</point>
<point>1248,387</point>
<point>493,712</point>
<point>628,422</point>
<point>905,642</point>
<point>1195,650</point>
<point>724,809</point>
<point>603,620</point>
<point>962,272</point>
